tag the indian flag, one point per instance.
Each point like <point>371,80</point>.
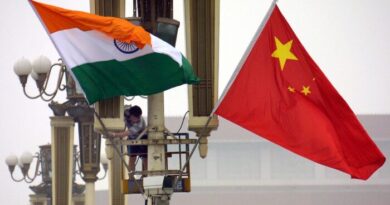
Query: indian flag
<point>110,56</point>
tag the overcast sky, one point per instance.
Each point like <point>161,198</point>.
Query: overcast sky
<point>348,40</point>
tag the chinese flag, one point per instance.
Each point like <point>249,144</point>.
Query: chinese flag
<point>279,93</point>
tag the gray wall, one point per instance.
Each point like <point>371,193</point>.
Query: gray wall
<point>243,168</point>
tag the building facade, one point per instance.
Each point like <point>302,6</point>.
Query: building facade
<point>243,168</point>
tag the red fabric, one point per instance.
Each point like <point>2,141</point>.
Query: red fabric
<point>319,126</point>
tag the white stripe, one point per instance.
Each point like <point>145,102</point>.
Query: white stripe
<point>160,46</point>
<point>79,47</point>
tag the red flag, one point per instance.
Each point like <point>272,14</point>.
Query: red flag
<point>281,94</point>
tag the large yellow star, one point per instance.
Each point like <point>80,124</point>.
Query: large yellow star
<point>283,52</point>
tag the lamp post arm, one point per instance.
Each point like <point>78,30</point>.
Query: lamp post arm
<point>43,97</point>
<point>78,164</point>
<point>59,80</point>
<point>43,93</point>
<point>29,96</point>
<point>14,179</point>
<point>36,173</point>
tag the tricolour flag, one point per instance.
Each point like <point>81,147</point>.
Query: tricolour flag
<point>110,56</point>
<point>278,92</point>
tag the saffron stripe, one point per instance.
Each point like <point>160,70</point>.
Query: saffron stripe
<point>57,19</point>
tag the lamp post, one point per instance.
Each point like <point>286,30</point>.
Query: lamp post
<point>89,141</point>
<point>43,162</point>
<point>75,109</point>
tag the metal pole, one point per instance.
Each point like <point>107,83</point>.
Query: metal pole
<point>156,153</point>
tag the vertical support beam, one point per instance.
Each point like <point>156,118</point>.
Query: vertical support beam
<point>202,46</point>
<point>114,8</point>
<point>111,112</point>
<point>114,175</point>
<point>90,193</point>
<point>62,134</point>
<point>156,153</point>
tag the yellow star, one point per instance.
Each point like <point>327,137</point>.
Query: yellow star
<point>306,90</point>
<point>283,52</point>
<point>291,89</point>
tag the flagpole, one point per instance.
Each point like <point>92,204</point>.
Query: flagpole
<point>246,53</point>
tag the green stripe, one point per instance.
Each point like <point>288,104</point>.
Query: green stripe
<point>146,75</point>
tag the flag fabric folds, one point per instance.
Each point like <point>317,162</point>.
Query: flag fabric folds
<point>110,56</point>
<point>279,93</point>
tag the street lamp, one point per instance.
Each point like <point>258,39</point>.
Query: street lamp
<point>24,164</point>
<point>77,110</point>
<point>43,168</point>
<point>40,70</point>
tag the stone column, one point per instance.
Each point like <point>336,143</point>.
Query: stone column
<point>90,193</point>
<point>116,197</point>
<point>202,48</point>
<point>62,134</point>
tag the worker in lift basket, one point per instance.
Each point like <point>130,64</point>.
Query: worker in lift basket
<point>135,127</point>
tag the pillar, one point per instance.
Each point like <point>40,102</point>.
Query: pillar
<point>114,8</point>
<point>36,199</point>
<point>62,134</point>
<point>156,153</point>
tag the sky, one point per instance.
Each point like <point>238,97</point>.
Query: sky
<point>347,39</point>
